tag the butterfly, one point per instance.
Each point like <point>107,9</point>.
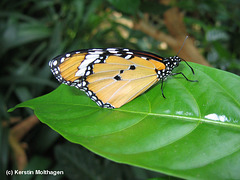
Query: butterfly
<point>112,77</point>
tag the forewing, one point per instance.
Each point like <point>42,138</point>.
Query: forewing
<point>111,77</point>
<point>118,80</point>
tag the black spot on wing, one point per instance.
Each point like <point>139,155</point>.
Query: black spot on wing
<point>117,77</point>
<point>132,67</point>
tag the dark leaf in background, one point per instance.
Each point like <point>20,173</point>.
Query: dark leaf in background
<point>20,34</point>
<point>126,6</point>
<point>79,163</point>
<point>36,163</point>
<point>153,7</point>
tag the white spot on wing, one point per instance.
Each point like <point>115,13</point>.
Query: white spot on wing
<point>97,61</point>
<point>94,98</point>
<point>88,59</point>
<point>111,49</point>
<point>80,72</point>
<point>85,63</point>
<point>50,63</point>
<point>55,62</point>
<point>77,81</point>
<point>91,56</point>
<point>84,83</point>
<point>95,52</point>
<point>87,73</point>
<point>62,59</point>
<point>128,56</point>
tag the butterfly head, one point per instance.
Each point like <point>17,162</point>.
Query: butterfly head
<point>174,61</point>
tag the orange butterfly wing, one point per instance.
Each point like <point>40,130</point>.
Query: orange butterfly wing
<point>109,77</point>
<point>117,88</point>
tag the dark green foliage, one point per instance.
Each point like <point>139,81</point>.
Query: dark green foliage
<point>70,157</point>
<point>126,6</point>
<point>216,24</point>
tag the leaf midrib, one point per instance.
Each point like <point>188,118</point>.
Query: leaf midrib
<point>186,118</point>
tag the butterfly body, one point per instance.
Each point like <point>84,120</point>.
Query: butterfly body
<point>112,77</point>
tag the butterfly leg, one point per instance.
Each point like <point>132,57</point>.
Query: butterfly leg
<point>173,74</point>
<point>162,89</point>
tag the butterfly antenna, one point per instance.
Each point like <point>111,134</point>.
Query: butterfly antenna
<point>182,45</point>
<point>183,59</point>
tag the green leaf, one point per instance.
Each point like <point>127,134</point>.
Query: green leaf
<point>153,7</point>
<point>20,34</point>
<point>126,6</point>
<point>194,133</point>
<point>36,163</point>
<point>77,163</point>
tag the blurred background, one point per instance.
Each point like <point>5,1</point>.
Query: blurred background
<point>33,32</point>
